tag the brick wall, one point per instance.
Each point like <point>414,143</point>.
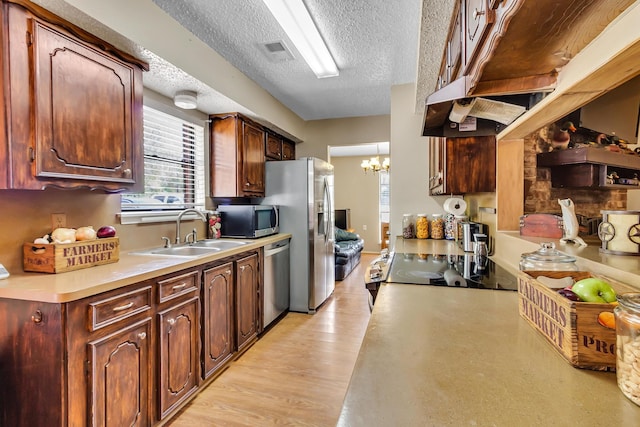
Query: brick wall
<point>541,198</point>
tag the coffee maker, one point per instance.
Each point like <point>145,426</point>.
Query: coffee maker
<point>469,228</point>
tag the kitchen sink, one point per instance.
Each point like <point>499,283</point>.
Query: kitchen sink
<point>200,248</point>
<point>217,244</point>
<point>181,251</point>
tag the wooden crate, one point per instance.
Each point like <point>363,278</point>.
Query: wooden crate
<point>58,258</point>
<point>571,327</point>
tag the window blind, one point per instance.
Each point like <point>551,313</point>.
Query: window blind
<point>173,164</point>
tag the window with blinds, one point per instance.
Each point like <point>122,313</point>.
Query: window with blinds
<point>384,197</point>
<point>173,165</point>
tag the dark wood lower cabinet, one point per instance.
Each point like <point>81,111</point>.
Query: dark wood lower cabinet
<point>247,288</point>
<point>179,355</point>
<point>127,357</point>
<point>217,318</point>
<point>119,377</point>
<point>31,364</point>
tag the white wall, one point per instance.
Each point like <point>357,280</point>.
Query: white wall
<point>410,167</point>
<point>320,134</point>
<point>359,192</point>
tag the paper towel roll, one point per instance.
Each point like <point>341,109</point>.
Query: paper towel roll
<point>455,206</point>
<point>453,278</point>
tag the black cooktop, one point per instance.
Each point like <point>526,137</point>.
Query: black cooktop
<point>461,271</point>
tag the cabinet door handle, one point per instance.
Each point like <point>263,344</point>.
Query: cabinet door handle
<point>477,13</point>
<point>171,322</point>
<point>228,272</point>
<point>123,307</point>
<point>126,173</point>
<point>36,317</point>
<point>142,335</point>
<point>180,286</point>
<point>242,267</point>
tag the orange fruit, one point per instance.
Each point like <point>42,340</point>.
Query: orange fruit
<point>607,319</point>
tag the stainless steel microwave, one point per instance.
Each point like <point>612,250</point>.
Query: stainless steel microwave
<point>248,221</point>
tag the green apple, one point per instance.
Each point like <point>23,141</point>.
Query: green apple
<point>593,289</point>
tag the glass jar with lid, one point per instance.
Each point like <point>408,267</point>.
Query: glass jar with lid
<point>627,319</point>
<point>437,227</point>
<point>457,227</point>
<point>422,226</point>
<point>408,226</point>
<point>449,224</point>
<point>547,258</point>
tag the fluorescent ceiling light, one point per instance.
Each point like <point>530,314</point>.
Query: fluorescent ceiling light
<point>294,18</point>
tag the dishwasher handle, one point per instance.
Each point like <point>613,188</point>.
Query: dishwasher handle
<point>276,248</point>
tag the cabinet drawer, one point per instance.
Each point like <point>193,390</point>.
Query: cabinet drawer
<point>110,310</point>
<point>174,287</point>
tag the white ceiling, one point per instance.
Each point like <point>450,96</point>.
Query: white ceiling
<point>376,44</point>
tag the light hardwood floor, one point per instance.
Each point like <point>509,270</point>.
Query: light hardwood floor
<point>297,373</point>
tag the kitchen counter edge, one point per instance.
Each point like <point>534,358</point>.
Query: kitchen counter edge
<point>130,269</point>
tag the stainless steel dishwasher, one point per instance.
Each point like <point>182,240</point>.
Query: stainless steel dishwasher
<point>276,280</point>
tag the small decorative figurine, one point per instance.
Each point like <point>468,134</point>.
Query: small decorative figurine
<point>561,137</point>
<point>570,223</point>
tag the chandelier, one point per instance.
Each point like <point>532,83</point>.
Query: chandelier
<point>374,164</point>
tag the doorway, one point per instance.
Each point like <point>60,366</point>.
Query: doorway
<point>365,194</point>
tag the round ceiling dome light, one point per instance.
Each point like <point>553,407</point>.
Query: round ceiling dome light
<point>186,99</point>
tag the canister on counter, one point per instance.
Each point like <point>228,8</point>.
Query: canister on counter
<point>547,258</point>
<point>408,226</point>
<point>437,227</point>
<point>457,229</point>
<point>422,226</point>
<point>449,225</point>
<point>627,320</point>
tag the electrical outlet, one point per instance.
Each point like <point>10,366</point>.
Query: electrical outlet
<point>364,227</point>
<point>58,220</point>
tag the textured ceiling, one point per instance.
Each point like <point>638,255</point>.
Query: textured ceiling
<point>376,44</point>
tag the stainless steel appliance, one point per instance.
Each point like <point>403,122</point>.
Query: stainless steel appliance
<point>248,221</point>
<point>469,228</point>
<point>303,191</point>
<point>276,280</point>
<point>456,271</point>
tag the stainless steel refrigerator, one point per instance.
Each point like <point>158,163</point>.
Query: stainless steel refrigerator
<point>303,191</point>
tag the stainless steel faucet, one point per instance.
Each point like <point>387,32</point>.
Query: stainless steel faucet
<point>181,214</point>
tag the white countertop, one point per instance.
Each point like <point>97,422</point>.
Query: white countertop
<point>73,285</point>
<point>439,356</point>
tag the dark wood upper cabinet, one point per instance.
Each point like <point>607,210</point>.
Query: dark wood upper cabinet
<point>74,106</point>
<point>278,147</point>
<point>478,19</point>
<point>462,165</point>
<point>288,150</point>
<point>237,156</point>
<point>273,146</point>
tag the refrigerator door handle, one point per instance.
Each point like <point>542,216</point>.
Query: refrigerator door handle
<point>327,210</point>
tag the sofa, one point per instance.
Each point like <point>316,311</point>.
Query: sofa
<point>348,248</point>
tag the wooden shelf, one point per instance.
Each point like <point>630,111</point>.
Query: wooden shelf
<point>590,167</point>
<point>594,155</point>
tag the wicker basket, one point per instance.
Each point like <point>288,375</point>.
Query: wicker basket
<point>571,327</point>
